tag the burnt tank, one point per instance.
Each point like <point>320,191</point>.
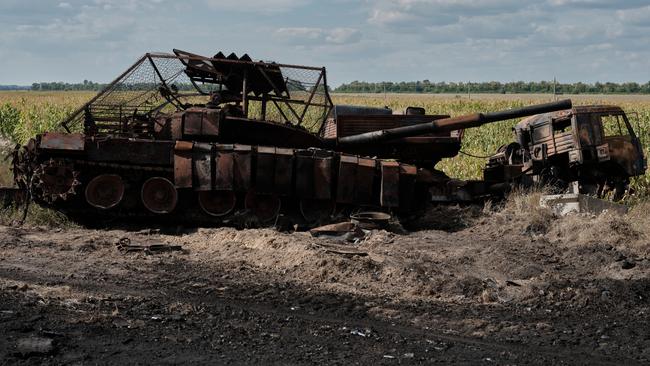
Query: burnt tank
<point>225,139</point>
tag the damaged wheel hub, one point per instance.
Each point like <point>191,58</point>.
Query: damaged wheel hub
<point>55,180</point>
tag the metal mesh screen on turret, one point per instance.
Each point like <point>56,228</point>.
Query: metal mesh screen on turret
<point>305,102</point>
<point>294,94</point>
<point>308,86</point>
<point>135,96</point>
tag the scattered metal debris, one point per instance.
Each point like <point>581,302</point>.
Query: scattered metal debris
<point>345,231</point>
<point>360,333</point>
<point>342,249</point>
<point>371,220</point>
<point>124,245</point>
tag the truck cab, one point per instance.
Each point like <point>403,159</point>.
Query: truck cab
<point>593,145</point>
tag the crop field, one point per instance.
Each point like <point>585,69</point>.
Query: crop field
<point>24,114</point>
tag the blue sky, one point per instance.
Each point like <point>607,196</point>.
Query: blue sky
<point>372,40</point>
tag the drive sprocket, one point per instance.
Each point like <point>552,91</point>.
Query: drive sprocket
<point>54,180</point>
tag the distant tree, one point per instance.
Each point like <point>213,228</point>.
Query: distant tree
<point>58,85</point>
<point>514,87</point>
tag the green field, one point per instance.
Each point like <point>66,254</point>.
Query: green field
<point>25,113</point>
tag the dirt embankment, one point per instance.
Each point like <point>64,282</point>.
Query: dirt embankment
<point>513,285</point>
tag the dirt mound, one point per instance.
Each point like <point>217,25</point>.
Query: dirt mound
<point>517,253</point>
<point>513,272</point>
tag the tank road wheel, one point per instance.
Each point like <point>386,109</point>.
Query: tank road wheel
<point>265,206</point>
<point>217,203</point>
<point>159,195</point>
<point>314,211</point>
<point>105,191</point>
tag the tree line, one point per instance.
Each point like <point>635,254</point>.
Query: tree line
<point>14,87</point>
<point>92,86</point>
<point>425,86</point>
<point>58,85</point>
<point>515,87</point>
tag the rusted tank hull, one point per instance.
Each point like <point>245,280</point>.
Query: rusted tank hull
<point>212,182</point>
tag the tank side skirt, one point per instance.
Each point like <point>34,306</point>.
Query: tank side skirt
<point>304,176</point>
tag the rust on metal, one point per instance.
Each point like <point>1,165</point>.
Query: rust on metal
<point>265,207</point>
<point>305,180</point>
<point>105,191</point>
<point>389,196</point>
<point>322,177</point>
<point>371,220</point>
<point>224,170</point>
<point>62,141</point>
<point>55,180</point>
<point>183,164</point>
<point>159,195</point>
<point>347,173</point>
<point>364,180</point>
<point>202,161</point>
<point>595,146</point>
<point>217,203</point>
<point>283,175</point>
<point>265,170</point>
<point>407,186</point>
<point>242,168</point>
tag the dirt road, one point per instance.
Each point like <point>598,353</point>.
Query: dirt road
<point>496,288</point>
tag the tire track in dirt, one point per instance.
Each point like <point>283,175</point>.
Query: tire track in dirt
<point>279,307</point>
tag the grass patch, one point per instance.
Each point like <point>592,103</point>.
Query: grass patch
<point>36,216</point>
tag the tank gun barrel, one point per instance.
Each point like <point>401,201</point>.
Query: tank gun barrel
<point>453,123</point>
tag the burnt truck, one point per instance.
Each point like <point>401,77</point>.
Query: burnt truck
<point>594,147</point>
<point>226,139</point>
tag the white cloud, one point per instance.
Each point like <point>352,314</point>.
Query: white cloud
<point>390,17</point>
<point>599,4</point>
<point>257,6</point>
<point>343,36</point>
<point>639,17</point>
<point>306,36</point>
<point>412,16</point>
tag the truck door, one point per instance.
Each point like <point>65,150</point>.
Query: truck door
<point>624,147</point>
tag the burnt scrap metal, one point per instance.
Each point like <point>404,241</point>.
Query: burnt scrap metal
<point>594,146</point>
<point>228,140</point>
<point>124,246</point>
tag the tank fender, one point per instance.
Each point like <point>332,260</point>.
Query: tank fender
<point>62,141</point>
